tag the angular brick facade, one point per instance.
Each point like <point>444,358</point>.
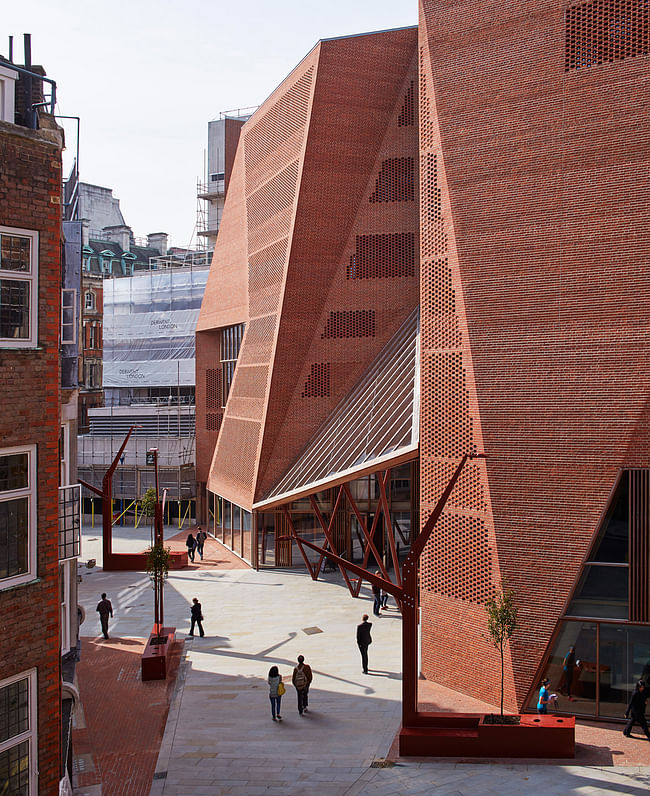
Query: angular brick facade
<point>534,161</point>
<point>30,191</point>
<point>325,268</point>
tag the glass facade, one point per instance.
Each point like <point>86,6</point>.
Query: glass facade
<point>262,539</point>
<point>612,650</point>
<point>610,658</point>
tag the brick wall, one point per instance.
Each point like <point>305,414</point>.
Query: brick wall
<point>534,306</point>
<point>326,173</point>
<point>30,190</point>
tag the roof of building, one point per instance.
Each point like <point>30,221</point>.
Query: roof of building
<point>141,254</point>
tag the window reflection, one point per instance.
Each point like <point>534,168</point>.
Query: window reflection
<point>601,593</point>
<point>612,543</point>
<point>609,659</point>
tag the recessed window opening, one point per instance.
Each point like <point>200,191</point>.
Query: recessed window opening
<point>231,338</point>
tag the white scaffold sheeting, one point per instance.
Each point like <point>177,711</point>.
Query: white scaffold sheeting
<point>149,325</point>
<point>150,373</point>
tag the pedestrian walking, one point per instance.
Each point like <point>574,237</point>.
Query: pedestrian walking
<point>201,536</point>
<point>376,593</point>
<point>384,600</point>
<point>190,543</point>
<point>568,668</point>
<point>105,609</point>
<point>544,697</point>
<point>364,640</point>
<point>636,711</point>
<point>276,691</point>
<point>301,679</point>
<point>197,617</point>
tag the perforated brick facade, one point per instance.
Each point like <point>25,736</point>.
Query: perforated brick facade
<point>321,239</point>
<point>533,166</point>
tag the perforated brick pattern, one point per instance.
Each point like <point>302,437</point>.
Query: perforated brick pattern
<point>406,117</point>
<point>213,421</point>
<point>457,562</point>
<point>383,256</point>
<point>350,323</point>
<point>271,148</point>
<point>239,449</point>
<point>265,274</point>
<point>463,540</point>
<point>603,31</point>
<point>277,136</point>
<point>396,181</point>
<point>440,327</point>
<point>270,208</point>
<point>213,388</point>
<point>258,341</point>
<point>318,381</point>
<point>447,414</point>
<point>468,494</point>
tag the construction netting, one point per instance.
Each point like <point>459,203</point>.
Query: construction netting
<point>149,323</point>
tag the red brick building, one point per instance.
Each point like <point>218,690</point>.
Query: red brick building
<point>534,153</point>
<point>325,407</point>
<point>30,302</point>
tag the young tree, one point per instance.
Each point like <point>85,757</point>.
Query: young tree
<point>502,623</point>
<point>148,504</point>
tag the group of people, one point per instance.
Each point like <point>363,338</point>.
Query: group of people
<point>301,680</point>
<point>195,544</point>
<point>380,598</point>
<point>302,674</point>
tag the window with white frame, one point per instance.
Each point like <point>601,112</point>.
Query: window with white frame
<point>90,300</point>
<point>17,515</point>
<point>18,287</point>
<point>92,335</point>
<point>18,724</point>
<point>69,316</point>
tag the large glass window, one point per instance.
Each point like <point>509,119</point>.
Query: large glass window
<point>602,592</point>
<point>17,734</point>
<point>18,287</point>
<point>609,658</point>
<point>17,515</point>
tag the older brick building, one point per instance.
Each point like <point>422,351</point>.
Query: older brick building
<point>30,301</point>
<point>326,407</point>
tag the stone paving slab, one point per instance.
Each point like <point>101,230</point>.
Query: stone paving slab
<point>219,737</point>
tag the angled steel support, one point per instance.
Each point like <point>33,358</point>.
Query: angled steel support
<point>406,592</point>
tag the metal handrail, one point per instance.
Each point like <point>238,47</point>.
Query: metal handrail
<point>23,71</point>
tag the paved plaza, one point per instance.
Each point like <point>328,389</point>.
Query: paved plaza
<point>219,737</point>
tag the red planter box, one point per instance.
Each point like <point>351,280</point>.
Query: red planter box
<point>467,735</point>
<point>156,653</point>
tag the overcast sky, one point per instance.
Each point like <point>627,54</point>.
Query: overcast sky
<point>146,76</point>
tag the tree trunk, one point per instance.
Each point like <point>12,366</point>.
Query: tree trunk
<point>502,679</point>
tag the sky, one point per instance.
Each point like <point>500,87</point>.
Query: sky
<point>146,76</point>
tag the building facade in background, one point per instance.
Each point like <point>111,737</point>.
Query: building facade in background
<point>223,137</point>
<point>434,245</point>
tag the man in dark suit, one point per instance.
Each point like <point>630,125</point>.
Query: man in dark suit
<point>105,609</point>
<point>364,639</point>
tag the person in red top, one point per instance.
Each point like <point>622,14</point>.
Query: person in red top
<point>301,679</point>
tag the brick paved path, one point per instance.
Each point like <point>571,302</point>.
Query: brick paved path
<point>117,738</point>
